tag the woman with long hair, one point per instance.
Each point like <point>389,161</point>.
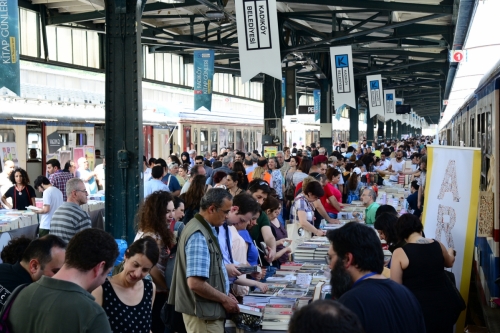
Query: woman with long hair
<point>129,292</point>
<point>220,179</point>
<point>303,170</point>
<point>242,175</point>
<point>272,207</point>
<point>332,198</point>
<point>175,159</point>
<point>260,172</point>
<point>385,224</point>
<point>193,197</point>
<point>233,179</point>
<point>22,194</point>
<point>276,177</point>
<point>153,219</point>
<point>294,163</point>
<point>185,158</point>
<point>354,186</point>
<point>183,174</point>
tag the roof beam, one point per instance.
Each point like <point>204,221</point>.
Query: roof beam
<point>381,5</point>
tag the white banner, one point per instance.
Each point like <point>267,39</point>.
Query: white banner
<point>405,119</point>
<point>258,39</point>
<point>450,206</point>
<point>343,76</point>
<point>390,104</point>
<point>375,96</point>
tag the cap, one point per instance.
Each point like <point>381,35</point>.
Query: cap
<point>357,170</point>
<point>192,151</point>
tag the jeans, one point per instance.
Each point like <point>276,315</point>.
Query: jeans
<point>270,272</point>
<point>332,215</point>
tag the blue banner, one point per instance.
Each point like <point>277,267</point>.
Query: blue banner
<point>203,66</point>
<point>283,96</point>
<point>317,104</point>
<point>9,46</point>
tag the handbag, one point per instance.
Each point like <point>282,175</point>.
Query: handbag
<point>457,303</point>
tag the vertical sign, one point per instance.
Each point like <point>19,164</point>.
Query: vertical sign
<point>390,104</point>
<point>283,96</point>
<point>399,101</point>
<point>317,103</point>
<point>450,207</point>
<point>375,99</point>
<point>258,38</point>
<point>203,79</point>
<point>10,82</point>
<point>343,76</point>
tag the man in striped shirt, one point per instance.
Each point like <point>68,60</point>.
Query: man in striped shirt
<point>69,218</point>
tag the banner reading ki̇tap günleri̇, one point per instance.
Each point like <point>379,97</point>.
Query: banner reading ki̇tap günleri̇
<point>203,79</point>
<point>9,48</point>
<point>258,39</point>
<point>450,207</point>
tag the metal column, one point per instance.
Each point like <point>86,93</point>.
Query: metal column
<point>326,116</point>
<point>380,130</point>
<point>369,128</point>
<point>354,122</point>
<point>395,132</point>
<point>388,129</point>
<point>124,140</point>
<point>271,93</point>
<point>400,130</point>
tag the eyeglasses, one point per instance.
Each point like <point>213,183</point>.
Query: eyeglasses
<point>84,191</point>
<point>199,163</point>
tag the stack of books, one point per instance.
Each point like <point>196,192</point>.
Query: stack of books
<point>291,266</point>
<point>305,251</point>
<point>277,314</point>
<point>273,290</point>
<point>293,292</point>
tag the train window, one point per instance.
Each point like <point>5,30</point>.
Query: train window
<point>239,140</point>
<point>187,138</point>
<point>258,140</point>
<point>252,141</point>
<point>230,139</point>
<point>246,142</point>
<point>213,140</point>
<point>203,141</point>
<point>7,135</point>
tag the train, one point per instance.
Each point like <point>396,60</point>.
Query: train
<point>475,124</point>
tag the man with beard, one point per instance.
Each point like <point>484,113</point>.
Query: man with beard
<point>356,261</point>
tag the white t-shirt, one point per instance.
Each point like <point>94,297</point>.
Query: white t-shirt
<point>54,198</point>
<point>384,165</point>
<point>396,167</point>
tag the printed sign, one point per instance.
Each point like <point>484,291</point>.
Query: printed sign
<point>306,109</point>
<point>203,79</point>
<point>375,102</point>
<point>54,142</point>
<point>258,39</point>
<point>390,104</point>
<point>343,76</point>
<point>10,82</point>
<point>317,104</point>
<point>398,101</point>
<point>450,207</point>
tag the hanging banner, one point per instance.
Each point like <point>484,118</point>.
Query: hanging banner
<point>398,101</point>
<point>390,104</point>
<point>450,207</point>
<point>375,96</point>
<point>283,96</point>
<point>203,67</point>
<point>317,104</point>
<point>343,76</point>
<point>258,39</point>
<point>10,82</point>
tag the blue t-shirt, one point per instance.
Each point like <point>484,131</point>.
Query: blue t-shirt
<point>252,253</point>
<point>173,184</point>
<point>413,203</point>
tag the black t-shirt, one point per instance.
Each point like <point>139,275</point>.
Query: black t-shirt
<point>20,200</point>
<point>383,305</point>
<point>11,276</point>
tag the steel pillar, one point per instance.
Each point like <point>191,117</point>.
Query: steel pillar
<point>395,132</point>
<point>325,137</point>
<point>400,130</point>
<point>388,129</point>
<point>354,122</point>
<point>369,128</point>
<point>380,130</point>
<point>124,140</point>
<point>271,93</point>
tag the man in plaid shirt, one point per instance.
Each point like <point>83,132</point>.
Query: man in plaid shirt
<point>57,177</point>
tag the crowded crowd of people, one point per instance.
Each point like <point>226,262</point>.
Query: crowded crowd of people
<point>203,219</point>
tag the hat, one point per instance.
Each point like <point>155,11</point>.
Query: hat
<point>357,170</point>
<point>192,151</point>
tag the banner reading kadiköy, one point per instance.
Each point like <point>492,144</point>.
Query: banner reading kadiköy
<point>390,104</point>
<point>375,98</point>
<point>203,79</point>
<point>343,76</point>
<point>317,104</point>
<point>450,207</point>
<point>9,46</point>
<point>258,38</point>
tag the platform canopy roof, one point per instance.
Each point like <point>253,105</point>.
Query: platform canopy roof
<point>406,41</point>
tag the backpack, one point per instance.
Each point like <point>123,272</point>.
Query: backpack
<point>4,314</point>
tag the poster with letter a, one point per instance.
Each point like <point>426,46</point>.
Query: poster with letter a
<point>390,104</point>
<point>10,82</point>
<point>375,98</point>
<point>203,79</point>
<point>258,38</point>
<point>450,207</point>
<point>343,76</point>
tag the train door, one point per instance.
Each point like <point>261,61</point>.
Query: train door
<point>213,140</point>
<point>186,138</point>
<point>222,138</point>
<point>203,142</point>
<point>246,140</point>
<point>230,139</point>
<point>239,140</point>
